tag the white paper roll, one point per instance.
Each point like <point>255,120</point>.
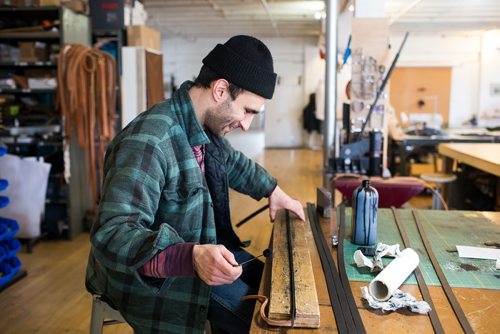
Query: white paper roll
<point>389,279</point>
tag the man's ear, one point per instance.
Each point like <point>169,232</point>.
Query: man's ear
<point>220,88</point>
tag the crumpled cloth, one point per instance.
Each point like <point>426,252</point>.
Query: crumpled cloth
<point>380,251</point>
<point>398,300</point>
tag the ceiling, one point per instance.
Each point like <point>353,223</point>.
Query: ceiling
<point>289,18</point>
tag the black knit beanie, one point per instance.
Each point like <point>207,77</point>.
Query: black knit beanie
<point>246,62</point>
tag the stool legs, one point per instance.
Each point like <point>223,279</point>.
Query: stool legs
<point>100,312</point>
<point>97,317</point>
<point>436,202</point>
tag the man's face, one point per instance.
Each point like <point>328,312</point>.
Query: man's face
<point>229,114</point>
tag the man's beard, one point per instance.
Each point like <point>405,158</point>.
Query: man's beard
<point>216,119</point>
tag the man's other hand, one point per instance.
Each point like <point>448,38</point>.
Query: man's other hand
<point>280,200</point>
<point>215,264</point>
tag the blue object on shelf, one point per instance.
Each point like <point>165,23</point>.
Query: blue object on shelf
<point>3,253</point>
<point>4,200</point>
<point>3,150</point>
<point>8,228</point>
<point>12,246</point>
<point>8,268</point>
<point>3,184</point>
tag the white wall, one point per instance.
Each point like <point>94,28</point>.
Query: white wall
<point>489,104</point>
<point>474,60</point>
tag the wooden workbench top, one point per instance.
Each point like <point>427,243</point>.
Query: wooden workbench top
<point>480,305</point>
<point>483,156</point>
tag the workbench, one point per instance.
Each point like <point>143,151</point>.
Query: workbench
<point>482,156</point>
<point>475,283</point>
<point>404,147</point>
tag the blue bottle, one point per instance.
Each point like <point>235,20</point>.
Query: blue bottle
<point>364,214</point>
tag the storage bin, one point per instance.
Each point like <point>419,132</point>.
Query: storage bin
<point>12,246</point>
<point>3,184</point>
<point>8,228</point>
<point>8,268</point>
<point>3,201</point>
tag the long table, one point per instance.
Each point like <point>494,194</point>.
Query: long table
<point>480,304</point>
<point>483,156</point>
<point>409,144</point>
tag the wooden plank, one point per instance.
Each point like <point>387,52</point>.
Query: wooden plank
<point>306,299</point>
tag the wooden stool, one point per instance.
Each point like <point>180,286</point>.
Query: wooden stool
<point>438,179</point>
<point>100,312</point>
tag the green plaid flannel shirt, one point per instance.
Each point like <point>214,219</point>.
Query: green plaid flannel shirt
<point>154,195</point>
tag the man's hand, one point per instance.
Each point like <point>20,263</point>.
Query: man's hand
<point>280,200</point>
<point>215,265</point>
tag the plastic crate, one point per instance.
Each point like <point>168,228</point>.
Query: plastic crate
<point>4,200</point>
<point>3,184</point>
<point>3,253</point>
<point>12,246</point>
<point>8,268</point>
<point>8,228</point>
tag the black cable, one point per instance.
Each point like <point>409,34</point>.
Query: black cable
<point>252,215</point>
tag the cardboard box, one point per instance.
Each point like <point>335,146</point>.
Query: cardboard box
<point>44,3</point>
<point>16,3</point>
<point>141,35</point>
<point>33,51</point>
<point>78,6</point>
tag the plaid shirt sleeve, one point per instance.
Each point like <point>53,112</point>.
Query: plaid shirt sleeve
<point>246,176</point>
<point>135,173</point>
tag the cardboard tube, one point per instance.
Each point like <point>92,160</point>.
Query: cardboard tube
<point>382,287</point>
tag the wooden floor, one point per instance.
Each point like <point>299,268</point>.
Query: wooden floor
<point>52,298</point>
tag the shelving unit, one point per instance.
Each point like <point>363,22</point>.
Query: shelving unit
<point>32,124</point>
<point>10,266</point>
<point>30,113</point>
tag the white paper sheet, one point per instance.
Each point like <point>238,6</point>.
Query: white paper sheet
<point>478,252</point>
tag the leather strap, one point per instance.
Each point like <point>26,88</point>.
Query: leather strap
<point>436,324</point>
<point>264,300</point>
<point>87,99</point>
<point>442,278</point>
<point>338,299</point>
<point>291,273</point>
<point>356,317</point>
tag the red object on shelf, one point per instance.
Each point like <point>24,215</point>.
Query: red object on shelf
<point>394,191</point>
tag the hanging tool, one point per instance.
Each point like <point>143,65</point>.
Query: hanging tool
<point>382,86</point>
<point>347,52</point>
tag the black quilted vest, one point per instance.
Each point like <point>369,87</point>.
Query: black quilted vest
<point>218,185</point>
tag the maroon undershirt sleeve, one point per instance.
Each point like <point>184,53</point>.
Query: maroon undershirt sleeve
<point>175,260</point>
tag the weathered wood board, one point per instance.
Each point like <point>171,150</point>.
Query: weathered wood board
<point>306,298</point>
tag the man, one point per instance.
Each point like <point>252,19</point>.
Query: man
<point>163,249</point>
